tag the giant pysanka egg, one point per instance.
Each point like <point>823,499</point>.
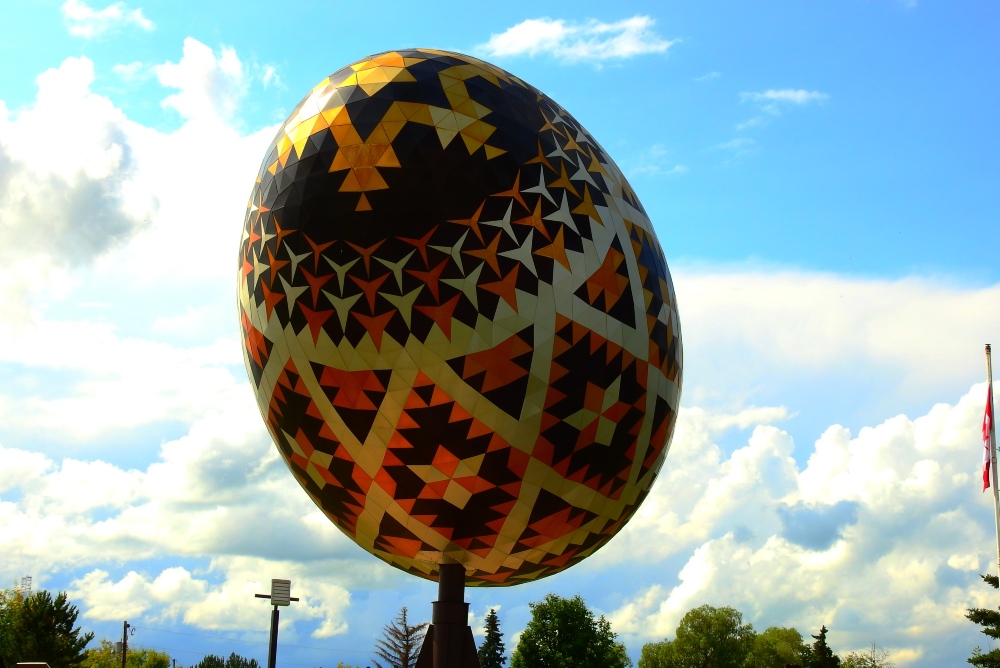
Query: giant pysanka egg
<point>457,319</point>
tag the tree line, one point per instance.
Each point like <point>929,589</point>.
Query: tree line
<point>562,632</point>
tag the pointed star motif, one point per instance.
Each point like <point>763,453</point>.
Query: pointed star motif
<point>366,253</point>
<point>375,325</point>
<point>503,223</point>
<point>317,250</point>
<point>558,152</point>
<point>342,306</point>
<point>563,215</point>
<point>281,233</point>
<point>264,236</point>
<point>571,145</point>
<point>535,220</point>
<point>472,222</point>
<point>421,243</point>
<point>276,266</point>
<point>271,299</point>
<point>505,288</point>
<point>341,270</point>
<point>397,267</point>
<point>370,288</point>
<point>540,158</point>
<point>403,303</point>
<point>523,253</point>
<point>442,314</point>
<point>315,283</point>
<point>292,293</point>
<point>258,268</point>
<point>595,165</point>
<point>515,191</point>
<point>254,237</point>
<point>549,125</point>
<point>315,319</point>
<point>581,173</point>
<point>540,188</point>
<point>430,278</point>
<point>556,250</point>
<point>587,206</point>
<point>456,250</point>
<point>295,259</point>
<point>563,181</point>
<point>489,254</point>
<point>468,284</point>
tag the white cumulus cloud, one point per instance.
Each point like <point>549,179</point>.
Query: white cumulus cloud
<point>208,86</point>
<point>882,532</point>
<point>175,594</point>
<point>789,95</point>
<point>68,183</point>
<point>588,41</point>
<point>82,20</point>
<point>771,102</point>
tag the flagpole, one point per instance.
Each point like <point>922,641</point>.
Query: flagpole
<point>993,450</point>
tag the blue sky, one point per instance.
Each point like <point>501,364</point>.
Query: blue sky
<point>822,178</point>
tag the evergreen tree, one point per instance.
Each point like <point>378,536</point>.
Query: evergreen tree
<point>491,652</point>
<point>400,643</point>
<point>990,621</point>
<point>563,632</point>
<point>211,661</point>
<point>820,655</point>
<point>40,628</point>
<point>216,661</point>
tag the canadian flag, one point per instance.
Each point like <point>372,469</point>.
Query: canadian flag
<point>987,423</point>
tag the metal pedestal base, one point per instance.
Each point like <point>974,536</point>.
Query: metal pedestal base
<point>449,643</point>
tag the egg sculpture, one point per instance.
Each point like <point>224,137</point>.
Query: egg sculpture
<point>457,319</point>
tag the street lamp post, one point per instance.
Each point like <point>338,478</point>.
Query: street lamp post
<point>280,595</point>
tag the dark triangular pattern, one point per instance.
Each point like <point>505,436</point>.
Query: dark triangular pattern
<point>511,357</point>
<point>358,421</point>
<point>425,393</point>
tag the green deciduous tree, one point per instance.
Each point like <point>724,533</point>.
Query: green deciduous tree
<point>990,621</point>
<point>776,647</point>
<point>491,652</point>
<point>563,633</point>
<point>656,655</point>
<point>820,655</point>
<point>400,643</point>
<point>40,628</point>
<point>710,637</point>
<point>105,656</point>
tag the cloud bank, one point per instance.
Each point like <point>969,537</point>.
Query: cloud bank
<point>87,22</point>
<point>593,41</point>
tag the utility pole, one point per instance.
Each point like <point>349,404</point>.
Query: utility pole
<point>125,629</point>
<point>280,595</point>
